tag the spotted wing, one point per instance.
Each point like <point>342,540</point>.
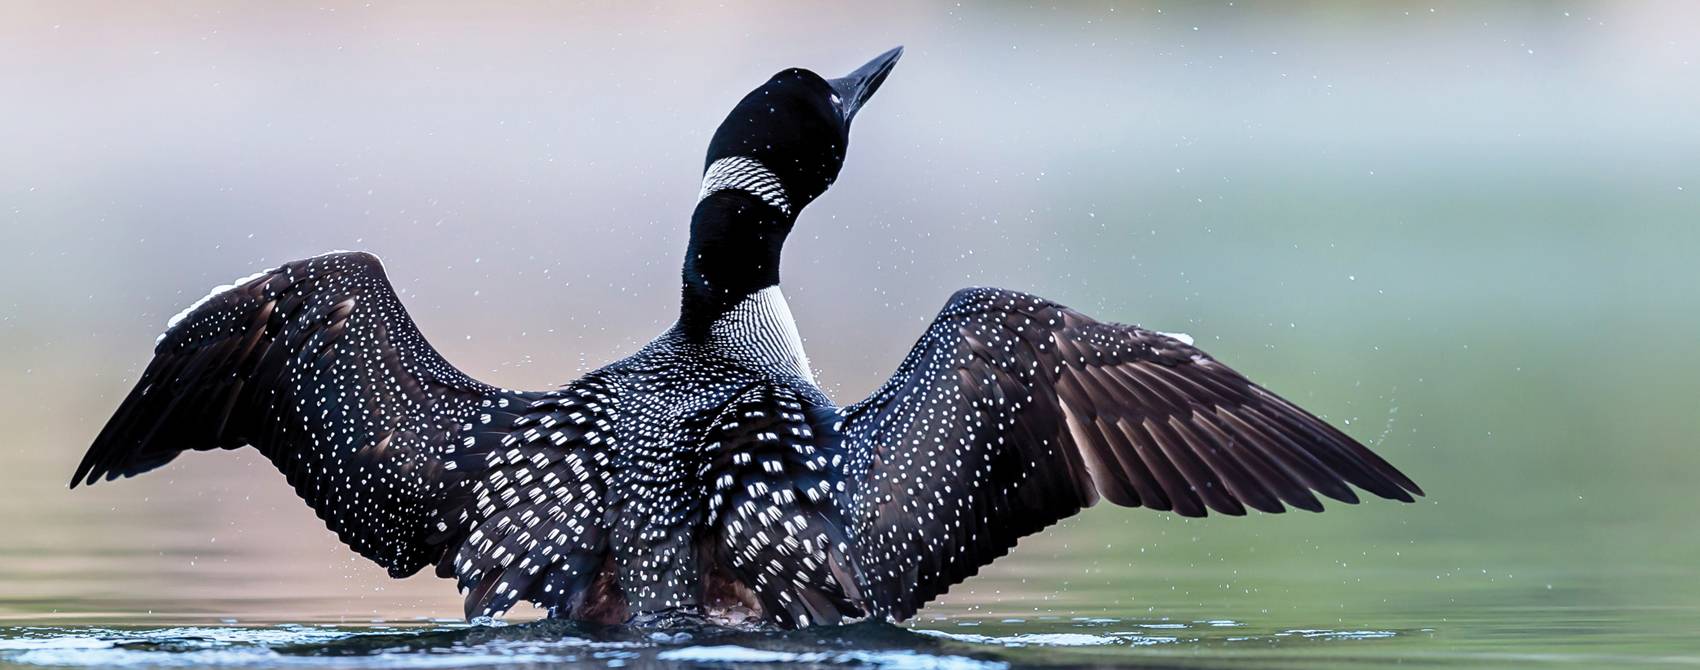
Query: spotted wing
<point>317,365</point>
<point>771,505</point>
<point>526,523</point>
<point>1013,412</point>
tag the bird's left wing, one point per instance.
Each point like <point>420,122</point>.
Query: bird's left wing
<point>1014,412</point>
<point>410,462</point>
<point>316,364</point>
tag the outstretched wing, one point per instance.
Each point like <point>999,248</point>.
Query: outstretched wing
<point>408,460</point>
<point>317,365</point>
<point>1013,412</point>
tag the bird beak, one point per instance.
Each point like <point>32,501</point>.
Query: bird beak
<point>855,88</point>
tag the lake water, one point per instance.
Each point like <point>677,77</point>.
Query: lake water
<point>1466,618</point>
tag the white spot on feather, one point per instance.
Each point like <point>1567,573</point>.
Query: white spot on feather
<point>1183,338</point>
<point>180,316</point>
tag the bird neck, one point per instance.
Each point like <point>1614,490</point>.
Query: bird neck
<point>736,239</point>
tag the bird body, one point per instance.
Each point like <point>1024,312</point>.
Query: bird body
<point>688,485</point>
<point>707,474</point>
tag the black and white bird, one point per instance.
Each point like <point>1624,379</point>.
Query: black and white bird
<point>707,474</point>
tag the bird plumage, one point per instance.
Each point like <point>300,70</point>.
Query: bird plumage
<point>707,473</point>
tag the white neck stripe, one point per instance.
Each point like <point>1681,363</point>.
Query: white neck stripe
<point>760,331</point>
<point>745,174</point>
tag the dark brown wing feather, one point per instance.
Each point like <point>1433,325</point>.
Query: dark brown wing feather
<point>1013,412</point>
<point>409,461</point>
<point>317,365</point>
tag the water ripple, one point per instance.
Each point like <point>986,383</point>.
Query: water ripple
<point>996,643</point>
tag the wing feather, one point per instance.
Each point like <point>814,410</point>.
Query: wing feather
<point>410,462</point>
<point>317,365</point>
<point>1039,410</point>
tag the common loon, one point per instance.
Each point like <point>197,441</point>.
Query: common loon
<point>708,475</point>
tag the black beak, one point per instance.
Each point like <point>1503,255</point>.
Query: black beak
<point>855,88</point>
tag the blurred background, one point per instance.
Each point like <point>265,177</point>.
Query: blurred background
<point>1463,231</point>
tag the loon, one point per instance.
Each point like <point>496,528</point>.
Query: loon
<point>708,475</point>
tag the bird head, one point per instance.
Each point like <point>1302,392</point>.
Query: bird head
<point>785,141</point>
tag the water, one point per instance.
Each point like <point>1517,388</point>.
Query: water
<point>552,644</point>
<point>966,644</point>
<point>936,642</point>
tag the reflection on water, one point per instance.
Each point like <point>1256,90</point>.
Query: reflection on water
<point>1451,636</point>
<point>959,644</point>
<point>559,644</point>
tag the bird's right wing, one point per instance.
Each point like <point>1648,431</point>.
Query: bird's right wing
<point>1014,412</point>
